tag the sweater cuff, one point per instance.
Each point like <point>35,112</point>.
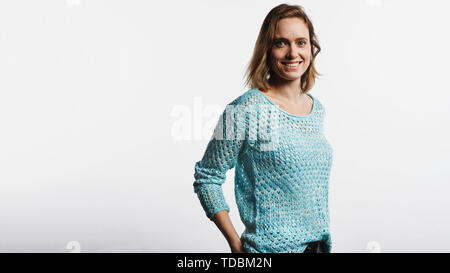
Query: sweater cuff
<point>212,199</point>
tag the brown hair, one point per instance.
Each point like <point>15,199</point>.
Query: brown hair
<point>259,70</point>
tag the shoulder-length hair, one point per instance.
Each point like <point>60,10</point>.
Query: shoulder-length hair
<point>259,70</point>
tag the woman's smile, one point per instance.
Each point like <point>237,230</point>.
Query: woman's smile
<point>291,65</point>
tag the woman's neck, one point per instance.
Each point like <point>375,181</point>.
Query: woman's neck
<point>287,90</point>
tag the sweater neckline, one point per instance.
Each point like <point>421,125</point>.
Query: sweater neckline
<point>313,111</point>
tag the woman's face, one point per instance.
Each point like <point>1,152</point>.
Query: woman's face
<point>290,55</point>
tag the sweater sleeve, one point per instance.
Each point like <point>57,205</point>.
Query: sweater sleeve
<point>221,155</point>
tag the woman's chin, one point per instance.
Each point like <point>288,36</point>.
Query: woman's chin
<point>290,77</point>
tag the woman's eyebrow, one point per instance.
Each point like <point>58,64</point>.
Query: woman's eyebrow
<point>299,38</point>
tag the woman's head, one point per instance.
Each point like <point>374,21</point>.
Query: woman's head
<point>286,36</point>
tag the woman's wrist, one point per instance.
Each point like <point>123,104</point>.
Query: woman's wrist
<point>234,241</point>
<point>236,246</point>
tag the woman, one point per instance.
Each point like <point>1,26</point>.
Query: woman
<point>273,136</point>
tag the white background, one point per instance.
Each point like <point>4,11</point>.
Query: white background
<point>92,93</point>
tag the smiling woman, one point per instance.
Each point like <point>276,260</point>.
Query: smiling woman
<point>285,31</point>
<point>291,54</point>
<point>281,176</point>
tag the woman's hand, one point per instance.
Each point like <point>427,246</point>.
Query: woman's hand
<point>223,222</point>
<point>236,247</point>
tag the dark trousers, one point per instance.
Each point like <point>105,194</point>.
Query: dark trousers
<point>315,247</point>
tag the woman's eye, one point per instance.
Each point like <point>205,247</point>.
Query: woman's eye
<point>281,43</point>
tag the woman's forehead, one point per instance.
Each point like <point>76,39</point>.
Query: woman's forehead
<point>292,27</point>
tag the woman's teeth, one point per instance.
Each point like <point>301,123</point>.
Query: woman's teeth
<point>291,65</point>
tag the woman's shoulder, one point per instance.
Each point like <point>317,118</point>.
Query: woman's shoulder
<point>248,98</point>
<point>245,106</point>
<point>318,106</point>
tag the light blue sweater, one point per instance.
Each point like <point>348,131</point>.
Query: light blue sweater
<point>282,166</point>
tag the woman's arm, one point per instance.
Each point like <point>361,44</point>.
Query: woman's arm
<point>223,222</point>
<point>221,154</point>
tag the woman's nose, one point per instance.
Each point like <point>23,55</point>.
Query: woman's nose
<point>293,51</point>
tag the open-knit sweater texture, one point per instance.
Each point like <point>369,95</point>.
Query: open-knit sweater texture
<point>282,167</point>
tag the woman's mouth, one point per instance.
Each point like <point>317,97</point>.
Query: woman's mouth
<point>291,65</point>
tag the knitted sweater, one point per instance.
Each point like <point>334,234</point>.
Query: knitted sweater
<point>282,166</point>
